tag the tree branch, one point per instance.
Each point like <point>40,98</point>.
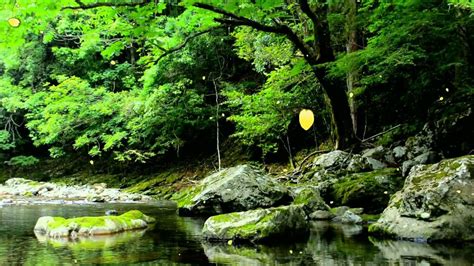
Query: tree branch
<point>83,6</point>
<point>185,42</point>
<point>237,20</point>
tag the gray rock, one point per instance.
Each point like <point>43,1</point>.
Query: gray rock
<point>111,212</point>
<point>96,198</point>
<point>406,167</point>
<point>333,160</point>
<point>339,211</point>
<point>321,215</point>
<point>257,225</point>
<point>358,164</point>
<point>348,218</point>
<point>436,203</point>
<point>238,188</point>
<point>377,153</point>
<point>375,164</point>
<point>399,152</point>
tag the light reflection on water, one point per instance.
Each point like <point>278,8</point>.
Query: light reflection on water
<point>176,240</point>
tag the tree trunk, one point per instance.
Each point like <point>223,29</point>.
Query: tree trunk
<point>341,113</point>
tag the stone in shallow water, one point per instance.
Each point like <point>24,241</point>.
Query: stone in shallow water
<point>84,226</point>
<point>436,203</point>
<point>257,225</point>
<point>238,188</point>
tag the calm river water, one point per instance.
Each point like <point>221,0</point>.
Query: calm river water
<point>176,241</point>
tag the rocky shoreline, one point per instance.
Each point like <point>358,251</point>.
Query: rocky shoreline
<point>434,202</point>
<point>22,191</point>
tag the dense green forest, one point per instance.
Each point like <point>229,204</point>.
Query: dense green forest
<point>133,83</point>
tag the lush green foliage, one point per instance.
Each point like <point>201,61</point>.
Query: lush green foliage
<point>138,82</point>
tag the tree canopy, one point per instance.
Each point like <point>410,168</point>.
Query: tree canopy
<point>133,81</point>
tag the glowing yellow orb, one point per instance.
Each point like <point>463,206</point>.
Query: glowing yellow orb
<point>306,119</point>
<point>14,22</point>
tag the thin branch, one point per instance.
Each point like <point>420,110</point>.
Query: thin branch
<point>185,42</point>
<point>83,6</point>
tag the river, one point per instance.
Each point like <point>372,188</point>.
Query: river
<point>176,240</point>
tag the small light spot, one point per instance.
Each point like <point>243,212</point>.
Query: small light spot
<point>291,251</point>
<point>91,162</point>
<point>351,95</point>
<point>229,242</point>
<point>447,90</point>
<point>458,191</point>
<point>203,77</point>
<point>285,170</point>
<point>385,192</point>
<point>223,115</point>
<point>441,98</point>
<point>301,252</point>
<point>278,102</point>
<point>331,202</point>
<point>113,62</point>
<point>210,118</point>
<point>380,76</point>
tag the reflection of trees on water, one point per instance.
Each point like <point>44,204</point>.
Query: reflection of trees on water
<point>337,244</point>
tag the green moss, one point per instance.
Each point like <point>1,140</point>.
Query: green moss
<point>28,194</point>
<point>378,230</point>
<point>367,190</point>
<point>370,217</point>
<point>125,219</point>
<point>185,196</point>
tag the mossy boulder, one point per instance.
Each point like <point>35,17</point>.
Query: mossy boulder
<point>233,189</point>
<point>436,203</point>
<point>85,226</point>
<point>368,190</point>
<point>257,225</point>
<point>309,198</point>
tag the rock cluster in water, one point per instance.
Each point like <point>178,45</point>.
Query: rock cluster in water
<point>434,202</point>
<point>59,227</point>
<point>20,190</point>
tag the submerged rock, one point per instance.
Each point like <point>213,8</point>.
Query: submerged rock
<point>85,226</point>
<point>257,225</point>
<point>348,218</point>
<point>436,203</point>
<point>238,188</point>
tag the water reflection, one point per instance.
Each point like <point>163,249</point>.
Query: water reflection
<point>336,244</point>
<point>177,240</point>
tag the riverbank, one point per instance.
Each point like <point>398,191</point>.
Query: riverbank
<point>25,191</point>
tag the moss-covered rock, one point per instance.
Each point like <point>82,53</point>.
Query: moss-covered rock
<point>436,203</point>
<point>257,225</point>
<point>84,226</point>
<point>309,198</point>
<point>369,190</point>
<point>233,189</point>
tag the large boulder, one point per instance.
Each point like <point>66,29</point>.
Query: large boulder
<point>369,190</point>
<point>436,203</point>
<point>257,225</point>
<point>84,226</point>
<point>234,189</point>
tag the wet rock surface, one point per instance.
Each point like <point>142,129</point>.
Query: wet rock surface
<point>436,203</point>
<point>233,189</point>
